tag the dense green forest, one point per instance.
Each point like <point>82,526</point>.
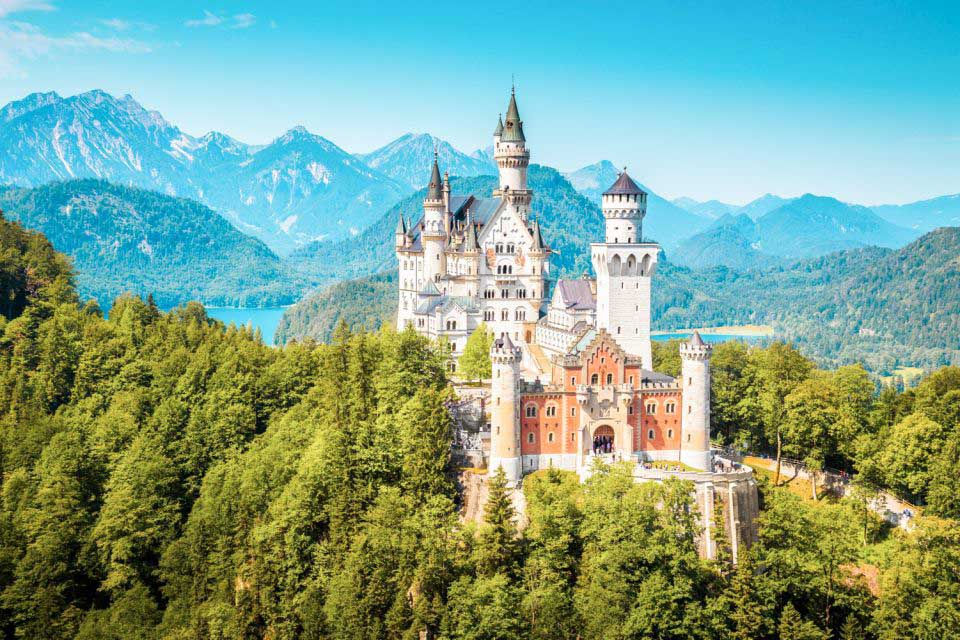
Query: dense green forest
<point>879,307</point>
<point>164,477</point>
<point>123,239</point>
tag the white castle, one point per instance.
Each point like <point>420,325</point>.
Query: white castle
<point>573,376</point>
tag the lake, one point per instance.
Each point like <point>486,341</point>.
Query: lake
<point>266,319</point>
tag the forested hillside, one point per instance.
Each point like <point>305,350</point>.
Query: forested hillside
<point>879,307</point>
<point>123,239</point>
<point>165,478</point>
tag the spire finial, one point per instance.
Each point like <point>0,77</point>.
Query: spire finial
<point>513,84</point>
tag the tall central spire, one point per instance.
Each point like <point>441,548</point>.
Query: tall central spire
<point>513,126</point>
<point>436,185</point>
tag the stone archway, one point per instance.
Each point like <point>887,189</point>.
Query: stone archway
<point>604,439</point>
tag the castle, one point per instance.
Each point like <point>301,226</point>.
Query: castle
<point>572,376</point>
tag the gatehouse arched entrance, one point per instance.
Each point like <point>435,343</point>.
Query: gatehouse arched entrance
<point>604,439</point>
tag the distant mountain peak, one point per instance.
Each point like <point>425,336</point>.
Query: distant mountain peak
<point>409,157</point>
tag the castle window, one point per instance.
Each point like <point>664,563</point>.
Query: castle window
<point>630,410</point>
<point>504,293</point>
<point>609,378</point>
<point>499,248</point>
<point>550,437</point>
<point>688,437</point>
<point>573,411</point>
<point>650,434</point>
<point>504,314</point>
<point>521,314</point>
<point>631,379</point>
<point>531,438</point>
<point>489,293</point>
<point>670,433</point>
<point>551,411</point>
<point>509,248</point>
<point>489,315</point>
<point>594,379</point>
<point>651,408</point>
<point>671,407</point>
<point>689,409</point>
<point>690,382</point>
<point>573,381</point>
<point>531,411</point>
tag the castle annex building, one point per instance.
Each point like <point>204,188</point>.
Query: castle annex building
<point>573,376</point>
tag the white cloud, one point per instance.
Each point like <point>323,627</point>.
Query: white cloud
<point>13,6</point>
<point>24,41</point>
<point>119,24</point>
<point>210,19</point>
<point>243,20</point>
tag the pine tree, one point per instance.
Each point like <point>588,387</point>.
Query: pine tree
<point>497,547</point>
<point>475,361</point>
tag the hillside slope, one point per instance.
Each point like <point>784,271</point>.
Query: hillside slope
<point>885,308</point>
<point>127,239</point>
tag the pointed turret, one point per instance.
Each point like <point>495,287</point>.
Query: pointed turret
<point>401,226</point>
<point>435,188</point>
<point>624,186</point>
<point>499,130</point>
<point>513,127</point>
<point>695,340</point>
<point>471,243</point>
<point>538,243</point>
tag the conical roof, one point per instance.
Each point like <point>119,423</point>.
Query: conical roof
<point>499,130</point>
<point>624,186</point>
<point>470,242</point>
<point>513,126</point>
<point>696,340</point>
<point>401,225</point>
<point>434,189</point>
<point>538,242</point>
<point>506,342</point>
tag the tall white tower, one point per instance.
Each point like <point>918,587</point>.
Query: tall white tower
<point>512,157</point>
<point>624,265</point>
<point>695,421</point>
<point>434,234</point>
<point>505,413</point>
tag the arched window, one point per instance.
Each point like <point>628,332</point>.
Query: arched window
<point>650,434</point>
<point>531,411</point>
<point>510,248</point>
<point>551,410</point>
<point>504,314</point>
<point>499,248</point>
<point>531,438</point>
<point>550,437</point>
<point>489,293</point>
<point>671,407</point>
<point>651,408</point>
<point>594,379</point>
<point>504,293</point>
<point>609,378</point>
<point>489,315</point>
<point>670,433</point>
<point>521,314</point>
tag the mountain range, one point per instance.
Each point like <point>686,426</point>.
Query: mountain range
<point>771,230</point>
<point>298,188</point>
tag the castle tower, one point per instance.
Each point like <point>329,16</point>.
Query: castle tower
<point>695,421</point>
<point>434,234</point>
<point>505,412</point>
<point>624,265</point>
<point>512,157</point>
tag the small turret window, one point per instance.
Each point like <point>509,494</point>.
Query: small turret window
<point>670,433</point>
<point>650,434</point>
<point>531,438</point>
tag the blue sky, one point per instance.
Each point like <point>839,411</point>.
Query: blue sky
<point>724,100</point>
